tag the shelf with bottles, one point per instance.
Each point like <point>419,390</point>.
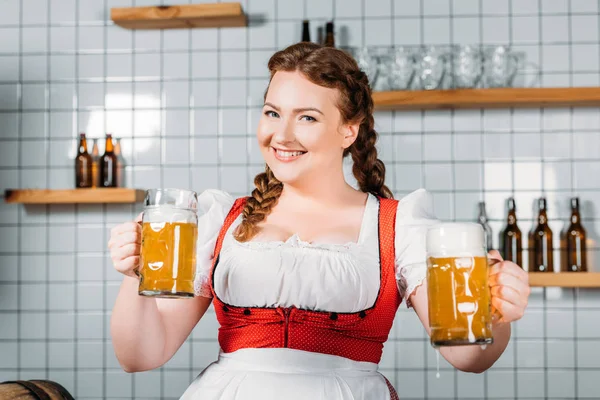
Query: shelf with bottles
<point>206,15</point>
<point>98,179</point>
<point>572,268</point>
<point>565,279</point>
<point>74,196</point>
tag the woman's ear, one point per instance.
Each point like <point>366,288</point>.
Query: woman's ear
<point>350,133</point>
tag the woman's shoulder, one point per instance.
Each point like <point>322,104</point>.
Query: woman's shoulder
<point>210,199</point>
<point>415,208</point>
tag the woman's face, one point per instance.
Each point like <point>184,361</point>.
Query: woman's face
<point>300,133</point>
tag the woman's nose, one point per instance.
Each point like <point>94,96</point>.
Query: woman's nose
<point>284,133</point>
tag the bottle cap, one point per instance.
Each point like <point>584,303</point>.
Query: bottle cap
<point>511,204</point>
<point>575,202</point>
<point>542,203</point>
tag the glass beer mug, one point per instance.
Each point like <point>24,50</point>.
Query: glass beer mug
<point>458,292</point>
<point>168,251</point>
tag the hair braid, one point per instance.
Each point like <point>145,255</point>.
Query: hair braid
<point>368,169</point>
<point>264,197</point>
<point>331,68</point>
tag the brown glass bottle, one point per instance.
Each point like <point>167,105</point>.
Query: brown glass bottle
<point>483,221</point>
<point>574,242</point>
<point>305,31</point>
<point>120,164</point>
<point>83,165</point>
<point>95,160</point>
<point>540,243</point>
<point>108,164</point>
<point>511,240</point>
<point>329,39</point>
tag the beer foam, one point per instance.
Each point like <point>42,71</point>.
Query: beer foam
<point>456,239</point>
<point>164,214</point>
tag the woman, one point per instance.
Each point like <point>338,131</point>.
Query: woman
<point>306,275</point>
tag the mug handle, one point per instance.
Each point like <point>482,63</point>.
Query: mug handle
<point>496,314</point>
<point>139,219</point>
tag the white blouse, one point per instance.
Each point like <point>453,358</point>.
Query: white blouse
<point>340,277</point>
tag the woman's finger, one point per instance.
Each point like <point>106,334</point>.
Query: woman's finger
<point>506,279</point>
<point>128,250</point>
<point>126,238</point>
<point>508,294</point>
<point>510,268</point>
<point>129,266</point>
<point>509,311</point>
<point>495,255</point>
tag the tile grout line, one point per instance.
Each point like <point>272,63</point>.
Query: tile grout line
<point>20,182</point>
<point>48,98</point>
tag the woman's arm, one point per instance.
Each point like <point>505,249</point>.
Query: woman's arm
<point>464,358</point>
<point>146,332</point>
<point>509,289</point>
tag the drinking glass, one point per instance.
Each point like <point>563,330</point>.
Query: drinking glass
<point>467,65</point>
<point>168,250</point>
<point>501,66</point>
<point>430,67</point>
<point>458,290</point>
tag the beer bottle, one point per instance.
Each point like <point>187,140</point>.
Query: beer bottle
<point>305,31</point>
<point>483,220</point>
<point>83,165</point>
<point>120,164</point>
<point>329,40</point>
<point>95,160</point>
<point>108,164</point>
<point>511,239</point>
<point>575,242</point>
<point>540,243</point>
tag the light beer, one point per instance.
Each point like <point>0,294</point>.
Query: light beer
<point>168,258</point>
<point>457,285</point>
<point>459,306</point>
<point>168,250</point>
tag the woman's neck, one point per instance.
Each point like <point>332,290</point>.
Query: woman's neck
<point>328,190</point>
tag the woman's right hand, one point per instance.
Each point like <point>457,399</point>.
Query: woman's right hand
<point>124,245</point>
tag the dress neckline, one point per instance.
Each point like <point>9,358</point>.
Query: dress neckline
<point>296,241</point>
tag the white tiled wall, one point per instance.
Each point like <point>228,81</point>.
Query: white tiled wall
<point>186,103</point>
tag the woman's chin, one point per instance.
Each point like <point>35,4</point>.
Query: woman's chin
<point>288,176</point>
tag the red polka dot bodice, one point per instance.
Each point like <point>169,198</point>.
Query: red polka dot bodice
<point>358,336</point>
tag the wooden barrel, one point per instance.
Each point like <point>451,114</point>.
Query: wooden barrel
<point>33,389</point>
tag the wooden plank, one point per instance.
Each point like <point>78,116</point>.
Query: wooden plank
<point>210,15</point>
<point>565,279</point>
<point>73,196</point>
<point>487,98</point>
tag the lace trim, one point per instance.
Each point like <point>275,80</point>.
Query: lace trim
<point>411,277</point>
<point>202,285</point>
<point>294,241</point>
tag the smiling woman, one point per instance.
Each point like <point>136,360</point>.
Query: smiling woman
<point>318,109</point>
<point>307,273</point>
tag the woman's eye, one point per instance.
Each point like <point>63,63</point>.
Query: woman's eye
<point>308,118</point>
<point>271,114</point>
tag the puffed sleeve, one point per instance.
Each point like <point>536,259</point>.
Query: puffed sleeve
<point>414,216</point>
<point>213,207</point>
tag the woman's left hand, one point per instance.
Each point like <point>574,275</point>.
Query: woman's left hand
<point>509,285</point>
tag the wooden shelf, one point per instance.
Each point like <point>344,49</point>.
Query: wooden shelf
<point>72,196</point>
<point>487,98</point>
<point>211,15</point>
<point>565,279</point>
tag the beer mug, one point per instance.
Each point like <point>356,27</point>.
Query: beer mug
<point>168,251</point>
<point>458,291</point>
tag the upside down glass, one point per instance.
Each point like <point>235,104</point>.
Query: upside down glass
<point>168,250</point>
<point>458,292</point>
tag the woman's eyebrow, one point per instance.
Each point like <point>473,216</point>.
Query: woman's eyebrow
<point>295,110</point>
